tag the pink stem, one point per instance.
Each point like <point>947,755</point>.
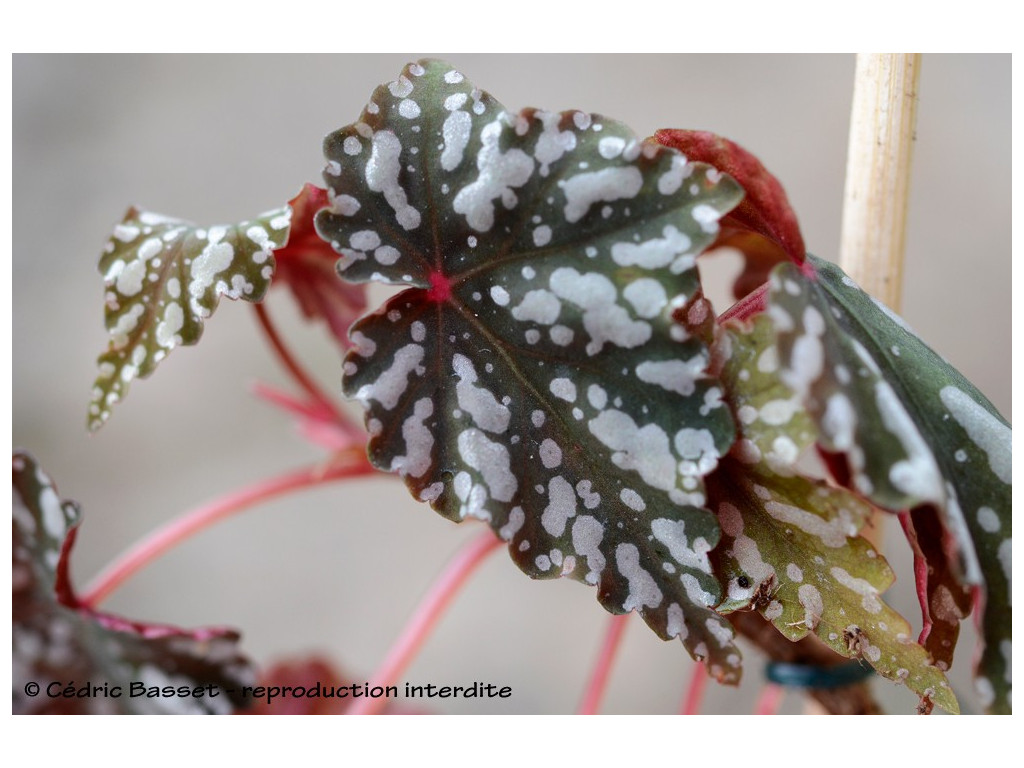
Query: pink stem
<point>158,542</point>
<point>599,676</point>
<point>695,690</point>
<point>769,700</point>
<point>290,363</point>
<point>427,614</point>
<point>330,429</point>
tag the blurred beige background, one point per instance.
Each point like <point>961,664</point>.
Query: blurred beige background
<point>338,570</point>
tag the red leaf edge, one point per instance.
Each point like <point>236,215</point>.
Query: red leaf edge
<point>765,210</point>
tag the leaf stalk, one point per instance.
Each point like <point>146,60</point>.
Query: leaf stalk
<point>155,544</point>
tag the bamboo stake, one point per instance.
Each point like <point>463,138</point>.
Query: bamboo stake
<point>871,247</point>
<point>878,173</point>
<point>882,127</point>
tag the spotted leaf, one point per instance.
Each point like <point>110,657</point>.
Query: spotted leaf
<point>790,546</point>
<point>60,642</point>
<point>911,431</point>
<point>163,277</point>
<point>548,370</point>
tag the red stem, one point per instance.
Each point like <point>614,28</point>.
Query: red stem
<point>427,614</point>
<point>594,692</point>
<point>769,700</point>
<point>159,541</point>
<point>752,304</point>
<point>695,690</point>
<point>290,363</point>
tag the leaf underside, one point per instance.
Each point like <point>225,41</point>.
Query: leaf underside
<point>913,433</point>
<point>163,277</point>
<point>765,209</point>
<point>790,545</point>
<point>57,639</point>
<point>306,266</point>
<point>547,372</point>
<point>945,600</point>
<point>763,227</point>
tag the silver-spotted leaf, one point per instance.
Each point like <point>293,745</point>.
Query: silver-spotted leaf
<point>163,276</point>
<point>61,645</point>
<point>535,376</point>
<point>912,431</point>
<point>794,543</point>
<point>790,545</point>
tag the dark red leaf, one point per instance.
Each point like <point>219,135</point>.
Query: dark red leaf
<point>763,227</point>
<point>760,256</point>
<point>944,601</point>
<point>765,209</point>
<point>306,265</point>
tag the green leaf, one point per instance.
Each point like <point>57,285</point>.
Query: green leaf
<point>57,639</point>
<point>790,546</point>
<point>913,432</point>
<point>795,543</point>
<point>535,376</point>
<point>163,276</point>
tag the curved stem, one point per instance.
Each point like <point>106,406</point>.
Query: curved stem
<point>427,614</point>
<point>159,541</point>
<point>769,700</point>
<point>695,690</point>
<point>591,703</point>
<point>292,365</point>
<point>752,304</point>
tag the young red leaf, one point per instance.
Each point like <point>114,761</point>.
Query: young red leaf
<point>763,227</point>
<point>306,264</point>
<point>765,209</point>
<point>944,600</point>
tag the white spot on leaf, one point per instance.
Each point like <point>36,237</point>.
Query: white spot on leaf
<point>608,184</point>
<point>984,429</point>
<point>382,171</point>
<point>498,174</point>
<point>643,591</point>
